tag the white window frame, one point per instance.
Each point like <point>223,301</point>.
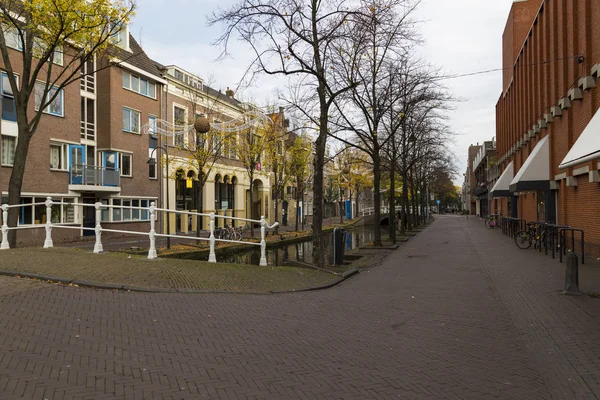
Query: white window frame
<point>2,161</point>
<point>2,75</point>
<point>184,142</point>
<point>133,111</point>
<point>153,156</point>
<point>9,32</point>
<point>147,82</point>
<point>64,154</point>
<point>121,164</point>
<point>143,216</point>
<point>61,96</point>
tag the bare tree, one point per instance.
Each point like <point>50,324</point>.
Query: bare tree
<point>380,40</point>
<point>296,38</point>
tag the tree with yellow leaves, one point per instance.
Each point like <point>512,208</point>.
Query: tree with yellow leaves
<point>53,39</point>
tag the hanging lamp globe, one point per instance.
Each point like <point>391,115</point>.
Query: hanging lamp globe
<point>202,125</point>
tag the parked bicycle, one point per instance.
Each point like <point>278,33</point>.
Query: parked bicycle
<point>530,236</point>
<point>230,233</point>
<point>492,221</point>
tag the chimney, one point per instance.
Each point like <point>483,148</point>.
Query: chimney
<point>229,92</point>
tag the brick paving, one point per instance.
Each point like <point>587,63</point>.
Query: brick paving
<point>164,273</point>
<point>456,313</point>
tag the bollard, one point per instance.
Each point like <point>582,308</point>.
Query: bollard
<point>98,229</point>
<point>152,250</point>
<point>572,276</point>
<point>211,256</point>
<point>48,242</point>
<point>4,245</point>
<point>263,243</point>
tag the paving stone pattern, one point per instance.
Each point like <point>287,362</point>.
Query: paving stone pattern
<point>458,312</point>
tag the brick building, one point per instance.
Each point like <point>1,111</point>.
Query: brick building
<point>227,186</point>
<point>85,150</point>
<point>547,119</point>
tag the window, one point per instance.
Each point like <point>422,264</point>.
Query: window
<point>60,214</point>
<point>116,214</point>
<point>131,120</point>
<point>152,125</point>
<point>56,106</point>
<point>125,164</point>
<point>152,166</point>
<point>9,110</point>
<point>139,85</point>
<point>58,156</point>
<point>126,80</point>
<point>12,38</point>
<point>9,145</point>
<point>179,118</point>
<point>127,210</point>
<point>119,34</point>
<point>39,50</point>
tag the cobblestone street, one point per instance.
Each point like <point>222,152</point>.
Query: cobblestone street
<point>458,312</point>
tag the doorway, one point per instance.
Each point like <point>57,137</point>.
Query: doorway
<point>89,216</point>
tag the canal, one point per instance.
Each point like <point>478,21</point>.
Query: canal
<point>282,254</point>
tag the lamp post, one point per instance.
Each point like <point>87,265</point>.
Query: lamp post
<point>152,161</point>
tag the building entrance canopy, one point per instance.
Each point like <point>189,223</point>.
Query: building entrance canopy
<point>501,188</point>
<point>587,147</point>
<point>534,175</point>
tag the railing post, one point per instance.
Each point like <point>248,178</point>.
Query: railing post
<point>211,255</point>
<point>152,250</point>
<point>48,242</point>
<point>4,245</point>
<point>98,229</point>
<point>263,243</point>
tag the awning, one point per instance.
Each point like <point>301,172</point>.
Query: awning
<point>534,175</point>
<point>501,188</point>
<point>587,147</point>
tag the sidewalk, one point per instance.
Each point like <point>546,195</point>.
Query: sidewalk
<point>458,312</point>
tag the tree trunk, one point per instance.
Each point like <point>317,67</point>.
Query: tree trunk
<point>319,163</point>
<point>377,194</point>
<point>298,183</point>
<point>252,204</point>
<point>277,188</point>
<point>404,201</point>
<point>392,214</point>
<point>15,184</point>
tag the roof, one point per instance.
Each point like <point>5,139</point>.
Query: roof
<point>207,89</point>
<point>138,58</point>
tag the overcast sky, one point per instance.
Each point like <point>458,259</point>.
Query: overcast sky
<point>461,36</point>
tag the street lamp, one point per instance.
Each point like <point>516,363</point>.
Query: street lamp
<point>152,161</point>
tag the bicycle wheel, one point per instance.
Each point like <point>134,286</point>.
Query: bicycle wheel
<point>523,240</point>
<point>490,224</point>
<point>237,236</point>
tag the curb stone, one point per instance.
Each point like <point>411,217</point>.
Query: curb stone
<point>108,286</point>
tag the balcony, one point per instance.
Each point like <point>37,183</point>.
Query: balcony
<point>92,178</point>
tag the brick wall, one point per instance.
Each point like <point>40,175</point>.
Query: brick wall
<point>545,69</point>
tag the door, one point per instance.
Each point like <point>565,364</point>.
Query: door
<point>110,162</point>
<point>89,216</point>
<point>77,164</point>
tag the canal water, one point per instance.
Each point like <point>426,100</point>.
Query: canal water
<point>300,251</point>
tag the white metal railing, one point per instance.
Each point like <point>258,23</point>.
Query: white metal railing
<point>98,229</point>
<point>383,210</point>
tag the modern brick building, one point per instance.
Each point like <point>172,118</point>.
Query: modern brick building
<point>88,147</point>
<point>547,119</point>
